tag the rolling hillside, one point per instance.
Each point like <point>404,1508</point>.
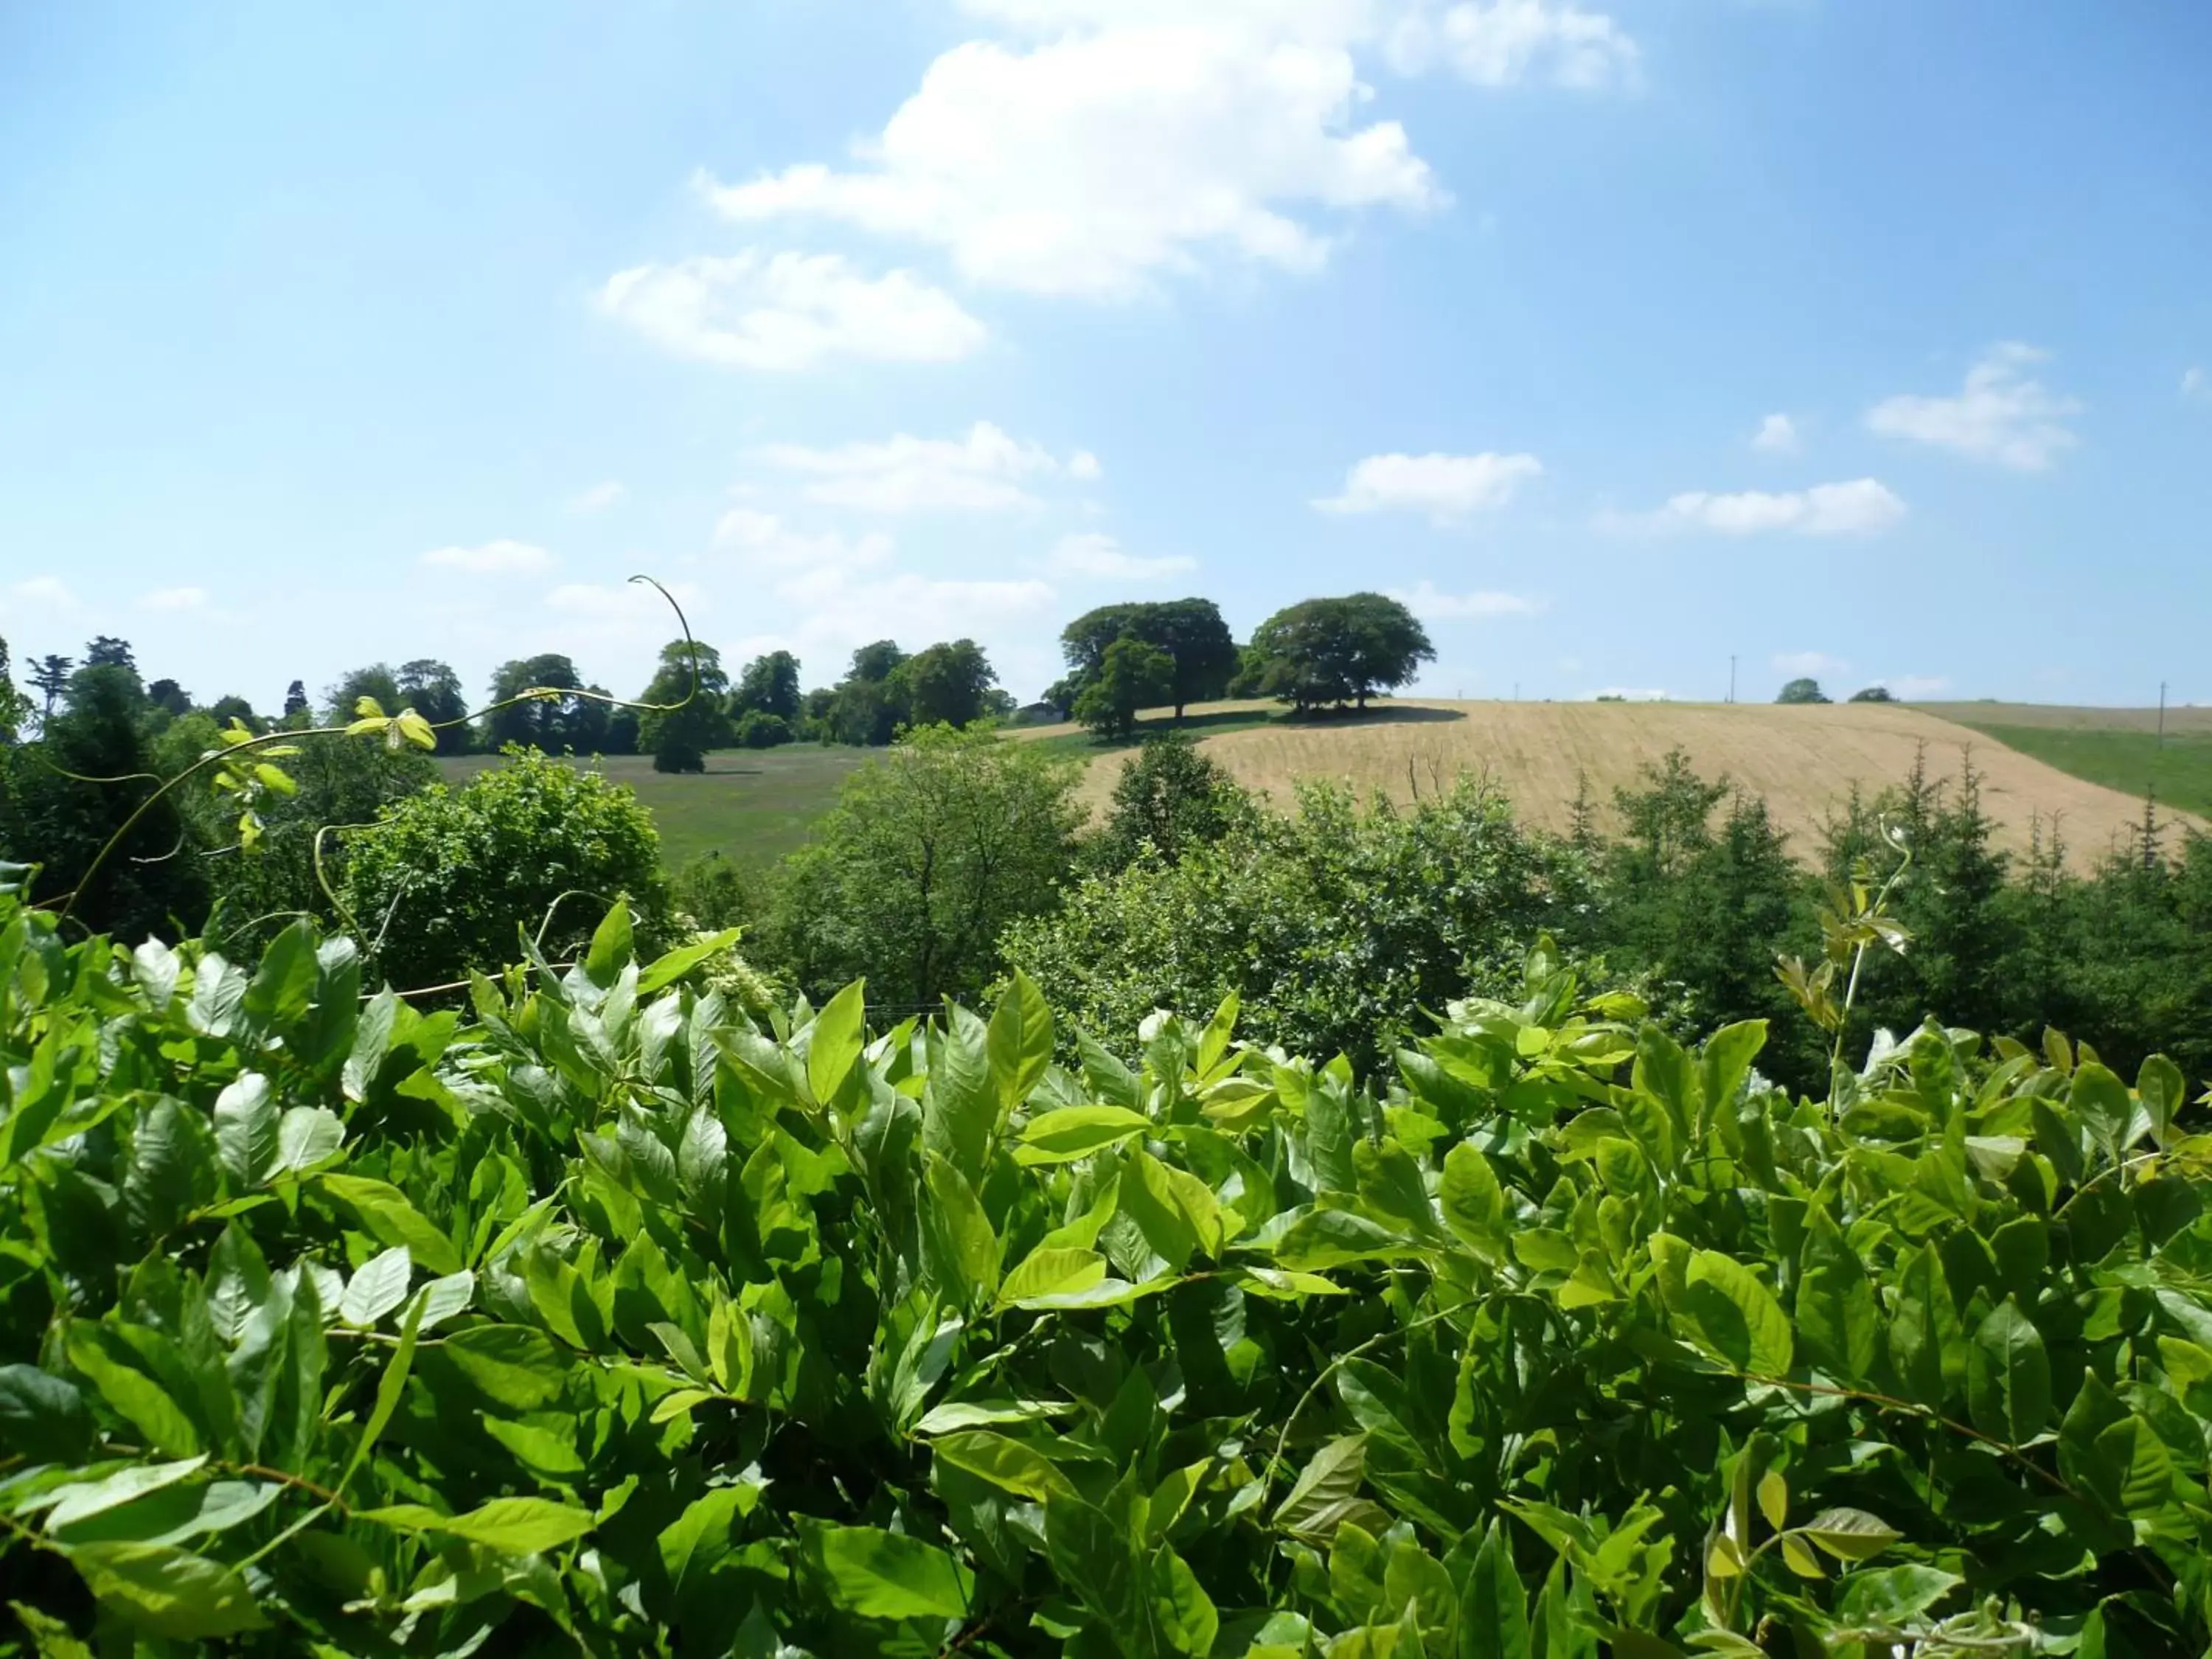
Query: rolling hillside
<point>1802,760</point>
<point>2122,749</point>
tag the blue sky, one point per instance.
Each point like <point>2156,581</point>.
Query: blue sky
<point>1618,336</point>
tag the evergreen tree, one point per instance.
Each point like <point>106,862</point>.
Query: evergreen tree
<point>50,677</point>
<point>64,814</point>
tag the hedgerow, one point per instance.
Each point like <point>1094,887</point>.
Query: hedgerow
<point>594,1317</point>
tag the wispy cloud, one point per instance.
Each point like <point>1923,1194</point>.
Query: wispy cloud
<point>1095,557</point>
<point>598,498</point>
<point>1776,436</point>
<point>983,471</point>
<point>785,312</point>
<point>1447,488</point>
<point>1862,507</point>
<point>174,598</point>
<point>1426,600</point>
<point>496,558</point>
<point>1810,664</point>
<point>2002,415</point>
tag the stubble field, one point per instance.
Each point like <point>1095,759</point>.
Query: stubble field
<point>1802,760</point>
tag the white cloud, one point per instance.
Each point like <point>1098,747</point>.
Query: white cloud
<point>2002,413</point>
<point>904,474</point>
<point>1862,507</point>
<point>1120,143</point>
<point>1092,555</point>
<point>1776,436</point>
<point>2195,383</point>
<point>1809,663</point>
<point>499,558</point>
<point>597,621</point>
<point>598,498</point>
<point>1503,41</point>
<point>174,598</point>
<point>788,311</point>
<point>762,542</point>
<point>46,593</point>
<point>1426,599</point>
<point>1445,486</point>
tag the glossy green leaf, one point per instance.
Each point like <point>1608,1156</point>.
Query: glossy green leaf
<point>1494,1606</point>
<point>385,1212</point>
<point>1050,1272</point>
<point>168,1592</point>
<point>834,1046</point>
<point>886,1575</point>
<point>378,1286</point>
<point>1074,1132</point>
<point>963,1246</point>
<point>1735,1317</point>
<point>245,1118</point>
<point>1019,1042</point>
<point>1005,1463</point>
<point>2009,1376</point>
<point>1473,1203</point>
<point>1850,1534</point>
<point>512,1365</point>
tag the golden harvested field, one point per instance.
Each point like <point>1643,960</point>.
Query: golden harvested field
<point>1802,760</point>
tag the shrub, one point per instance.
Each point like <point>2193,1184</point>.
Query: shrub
<point>334,782</point>
<point>677,752</point>
<point>758,729</point>
<point>446,878</point>
<point>1170,797</point>
<point>1337,926</point>
<point>595,1320</point>
<point>715,891</point>
<point>930,854</point>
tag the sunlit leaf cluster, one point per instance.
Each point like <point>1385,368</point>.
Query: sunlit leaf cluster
<point>583,1314</point>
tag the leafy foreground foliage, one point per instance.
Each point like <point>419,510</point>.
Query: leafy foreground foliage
<point>597,1319</point>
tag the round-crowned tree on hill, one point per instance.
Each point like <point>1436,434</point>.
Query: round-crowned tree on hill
<point>1337,650</point>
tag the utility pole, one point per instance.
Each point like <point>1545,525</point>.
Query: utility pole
<point>1731,679</point>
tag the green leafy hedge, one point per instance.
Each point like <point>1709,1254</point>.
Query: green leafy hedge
<point>595,1319</point>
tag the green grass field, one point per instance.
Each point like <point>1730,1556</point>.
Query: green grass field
<point>751,805</point>
<point>2124,755</point>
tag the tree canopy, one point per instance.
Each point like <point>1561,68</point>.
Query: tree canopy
<point>432,691</point>
<point>769,685</point>
<point>1131,675</point>
<point>947,684</point>
<point>1201,649</point>
<point>679,738</point>
<point>1339,650</point>
<point>551,725</point>
<point>1802,691</point>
